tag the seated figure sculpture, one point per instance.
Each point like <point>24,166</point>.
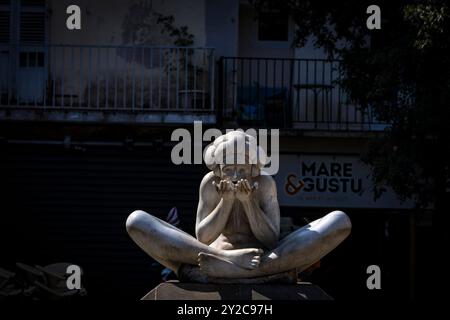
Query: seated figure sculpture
<point>238,224</point>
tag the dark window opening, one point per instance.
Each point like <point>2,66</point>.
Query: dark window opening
<point>32,27</point>
<point>273,26</point>
<point>33,3</point>
<point>31,59</point>
<point>4,26</point>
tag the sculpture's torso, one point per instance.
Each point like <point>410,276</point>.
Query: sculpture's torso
<point>237,233</point>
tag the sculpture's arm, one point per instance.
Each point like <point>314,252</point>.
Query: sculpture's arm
<point>212,213</point>
<point>264,214</point>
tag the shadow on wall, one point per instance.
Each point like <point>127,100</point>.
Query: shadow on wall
<point>143,26</point>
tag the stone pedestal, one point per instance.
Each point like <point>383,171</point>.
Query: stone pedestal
<point>175,290</point>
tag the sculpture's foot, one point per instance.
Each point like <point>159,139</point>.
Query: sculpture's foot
<point>216,267</point>
<point>244,258</point>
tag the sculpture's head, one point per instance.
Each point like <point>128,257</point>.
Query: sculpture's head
<point>235,155</point>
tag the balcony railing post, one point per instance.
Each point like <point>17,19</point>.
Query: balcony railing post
<point>80,89</point>
<point>221,89</point>
<point>72,68</point>
<point>299,83</point>
<point>212,88</point>
<point>108,70</point>
<point>63,73</point>
<point>36,65</point>
<point>258,93</point>
<point>206,76</point>
<point>332,88</point>
<point>97,75</point>
<point>142,76</point>
<point>90,76</point>
<point>53,78</point>
<point>169,71</point>
<point>133,76</point>
<point>45,76</point>
<point>315,95</point>
<point>125,76</point>
<point>290,106</point>
<point>186,77</point>
<point>150,96</point>
<point>177,82</point>
<point>116,78</point>
<point>160,73</point>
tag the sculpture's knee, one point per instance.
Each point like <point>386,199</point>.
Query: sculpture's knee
<point>342,221</point>
<point>136,220</point>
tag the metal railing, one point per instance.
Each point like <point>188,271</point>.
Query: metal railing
<point>128,78</point>
<point>289,93</point>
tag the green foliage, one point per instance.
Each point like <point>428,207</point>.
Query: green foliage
<point>142,25</point>
<point>182,37</point>
<point>429,21</point>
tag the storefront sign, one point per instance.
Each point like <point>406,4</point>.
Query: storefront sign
<point>330,181</point>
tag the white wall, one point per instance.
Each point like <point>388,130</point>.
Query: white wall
<point>308,51</point>
<point>111,22</point>
<point>222,26</point>
<point>105,21</point>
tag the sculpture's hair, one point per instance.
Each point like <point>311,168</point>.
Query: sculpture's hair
<point>225,147</point>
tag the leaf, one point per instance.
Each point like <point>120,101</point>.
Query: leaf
<point>172,217</point>
<point>165,274</point>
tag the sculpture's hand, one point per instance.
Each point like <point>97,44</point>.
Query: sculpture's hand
<point>244,190</point>
<point>225,188</point>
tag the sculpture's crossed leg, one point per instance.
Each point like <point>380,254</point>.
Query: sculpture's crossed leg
<point>299,250</point>
<point>172,247</point>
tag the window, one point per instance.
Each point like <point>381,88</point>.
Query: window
<point>32,22</point>
<point>31,59</point>
<point>33,3</point>
<point>273,26</point>
<point>32,27</point>
<point>5,21</point>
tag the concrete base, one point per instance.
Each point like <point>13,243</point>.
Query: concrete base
<point>193,274</point>
<point>106,116</point>
<point>175,290</point>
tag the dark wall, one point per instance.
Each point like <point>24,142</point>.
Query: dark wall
<point>70,205</point>
<point>378,237</point>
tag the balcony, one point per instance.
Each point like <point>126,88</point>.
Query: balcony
<point>289,93</point>
<point>142,84</point>
<point>174,85</point>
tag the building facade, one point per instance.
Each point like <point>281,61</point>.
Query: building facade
<point>86,118</point>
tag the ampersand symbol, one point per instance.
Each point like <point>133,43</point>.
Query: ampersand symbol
<point>291,188</point>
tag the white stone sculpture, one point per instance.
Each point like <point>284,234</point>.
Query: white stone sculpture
<point>238,224</point>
